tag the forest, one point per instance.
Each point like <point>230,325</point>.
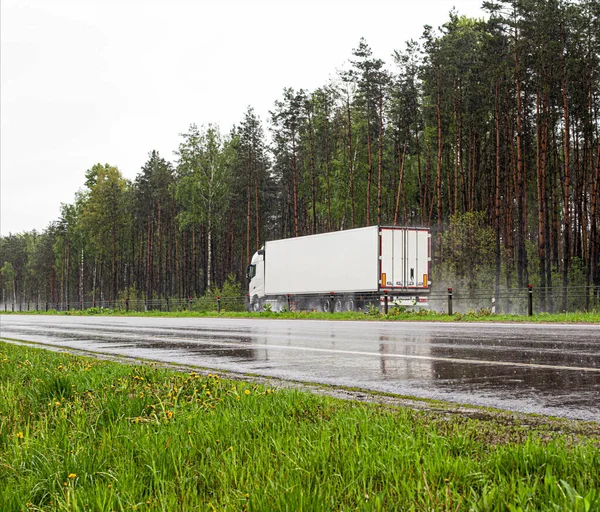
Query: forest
<point>484,130</point>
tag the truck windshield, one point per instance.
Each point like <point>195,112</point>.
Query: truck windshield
<point>252,271</point>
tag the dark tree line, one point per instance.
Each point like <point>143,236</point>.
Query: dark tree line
<point>485,131</point>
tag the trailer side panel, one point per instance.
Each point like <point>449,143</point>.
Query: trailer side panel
<point>340,262</point>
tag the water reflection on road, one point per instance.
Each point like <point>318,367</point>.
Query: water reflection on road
<point>530,368</point>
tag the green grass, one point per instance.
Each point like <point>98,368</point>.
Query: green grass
<point>84,434</point>
<point>483,315</point>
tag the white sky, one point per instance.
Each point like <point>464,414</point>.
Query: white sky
<point>108,81</point>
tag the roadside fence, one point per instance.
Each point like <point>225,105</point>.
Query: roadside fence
<point>526,301</point>
<point>217,303</point>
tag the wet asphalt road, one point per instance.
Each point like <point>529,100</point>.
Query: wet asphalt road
<point>544,369</point>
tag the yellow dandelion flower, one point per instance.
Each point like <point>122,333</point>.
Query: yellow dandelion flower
<point>247,392</point>
<point>20,435</point>
<point>207,393</point>
<point>169,414</point>
<point>72,476</point>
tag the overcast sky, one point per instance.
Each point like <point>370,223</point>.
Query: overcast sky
<point>108,81</point>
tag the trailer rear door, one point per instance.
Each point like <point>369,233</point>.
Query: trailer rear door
<point>405,258</point>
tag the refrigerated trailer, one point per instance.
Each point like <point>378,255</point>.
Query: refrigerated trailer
<point>343,270</point>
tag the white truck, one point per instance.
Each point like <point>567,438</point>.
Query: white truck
<point>343,270</point>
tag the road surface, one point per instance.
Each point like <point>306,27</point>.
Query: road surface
<point>546,369</point>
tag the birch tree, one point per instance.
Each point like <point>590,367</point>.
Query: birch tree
<point>203,189</point>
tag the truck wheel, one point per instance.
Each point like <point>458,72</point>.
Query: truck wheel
<point>256,305</point>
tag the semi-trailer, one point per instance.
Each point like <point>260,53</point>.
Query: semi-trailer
<point>342,270</point>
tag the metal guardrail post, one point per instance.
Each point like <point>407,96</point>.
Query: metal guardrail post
<point>127,304</point>
<point>27,305</point>
<point>46,306</point>
<point>168,304</point>
<point>190,303</point>
<point>385,302</point>
<point>13,307</point>
<point>530,301</point>
<point>218,304</point>
<point>450,301</point>
<point>288,302</point>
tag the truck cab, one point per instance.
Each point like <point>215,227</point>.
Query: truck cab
<point>256,276</point>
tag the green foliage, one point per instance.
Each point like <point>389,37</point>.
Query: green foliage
<point>104,214</point>
<point>372,310</point>
<point>8,280</point>
<point>468,248</point>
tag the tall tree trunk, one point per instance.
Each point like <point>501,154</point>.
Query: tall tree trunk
<point>295,186</point>
<point>115,283</point>
<point>566,189</point>
<point>453,179</point>
<point>159,284</point>
<point>541,193</point>
<point>68,279</point>
<point>497,210</point>
<point>328,185</point>
<point>438,182</point>
<point>521,214</point>
<point>400,185</point>
<point>249,209</point>
<point>256,203</point>
<point>209,254</point>
<point>81,297</point>
<point>350,163</point>
<point>422,201</point>
<point>313,185</point>
<point>370,163</point>
<point>380,161</point>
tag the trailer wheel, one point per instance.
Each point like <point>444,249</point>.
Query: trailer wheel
<point>326,305</point>
<point>338,305</point>
<point>350,304</point>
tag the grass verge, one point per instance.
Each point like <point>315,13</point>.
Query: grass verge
<point>78,433</point>
<point>394,315</point>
